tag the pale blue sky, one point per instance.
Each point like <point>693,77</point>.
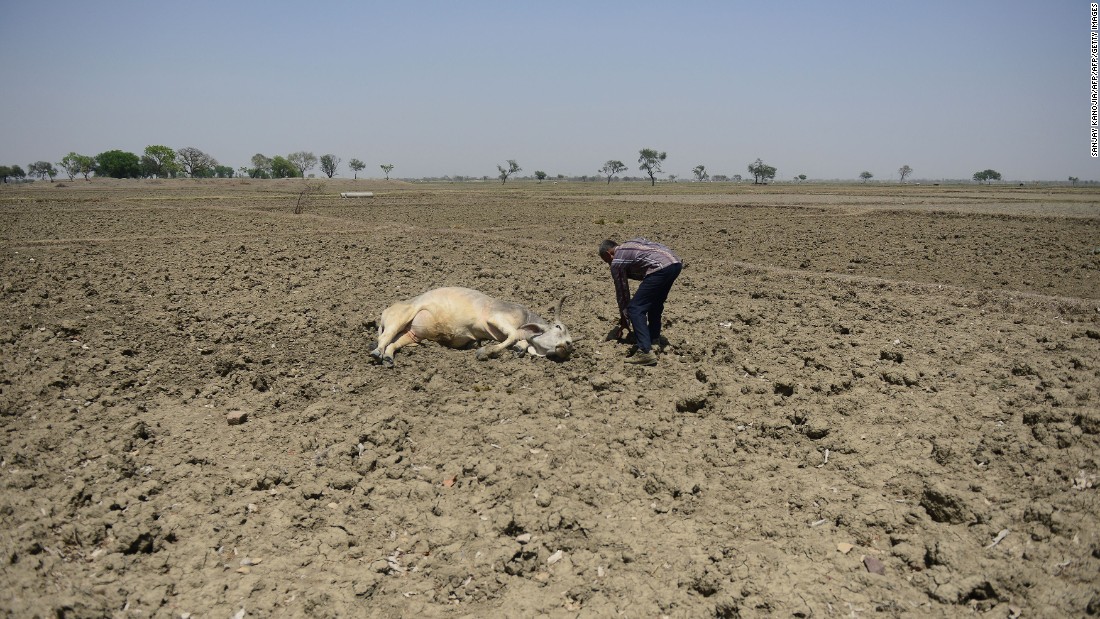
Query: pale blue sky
<point>445,88</point>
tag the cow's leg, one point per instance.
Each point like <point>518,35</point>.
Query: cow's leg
<point>422,322</point>
<point>377,352</point>
<point>405,339</point>
<point>506,336</point>
<point>394,322</point>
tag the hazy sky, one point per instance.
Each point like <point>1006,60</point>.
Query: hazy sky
<point>826,89</point>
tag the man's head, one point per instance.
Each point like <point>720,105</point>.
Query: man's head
<point>607,250</point>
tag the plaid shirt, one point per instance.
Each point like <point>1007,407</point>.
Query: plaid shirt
<point>635,259</point>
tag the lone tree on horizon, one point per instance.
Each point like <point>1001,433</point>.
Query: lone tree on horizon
<point>650,163</point>
<point>160,161</point>
<point>513,167</point>
<point>987,176</point>
<point>356,167</point>
<point>42,169</point>
<point>866,176</point>
<point>329,163</point>
<point>195,163</point>
<point>904,171</point>
<point>611,168</point>
<point>386,168</point>
<point>78,164</point>
<point>303,160</point>
<point>281,167</point>
<point>700,172</point>
<point>761,172</point>
<point>262,166</point>
<point>13,171</point>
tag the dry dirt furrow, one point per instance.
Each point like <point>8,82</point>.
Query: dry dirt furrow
<point>896,415</point>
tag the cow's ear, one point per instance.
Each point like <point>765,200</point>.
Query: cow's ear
<point>533,328</point>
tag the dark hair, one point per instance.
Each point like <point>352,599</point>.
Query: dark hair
<point>607,246</point>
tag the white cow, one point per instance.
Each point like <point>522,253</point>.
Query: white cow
<point>459,317</point>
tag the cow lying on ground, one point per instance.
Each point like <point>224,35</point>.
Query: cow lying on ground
<point>459,317</point>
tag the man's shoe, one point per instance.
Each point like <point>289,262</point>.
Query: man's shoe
<point>642,358</point>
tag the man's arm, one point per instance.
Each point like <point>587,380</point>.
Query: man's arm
<point>622,293</point>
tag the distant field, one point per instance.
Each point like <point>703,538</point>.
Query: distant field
<point>878,399</point>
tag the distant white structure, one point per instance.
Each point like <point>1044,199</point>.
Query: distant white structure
<point>357,194</point>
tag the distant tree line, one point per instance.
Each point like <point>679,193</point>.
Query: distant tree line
<point>159,161</point>
<point>650,161</point>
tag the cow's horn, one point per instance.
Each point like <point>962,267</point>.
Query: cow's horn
<point>557,312</point>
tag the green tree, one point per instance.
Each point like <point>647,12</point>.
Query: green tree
<point>700,173</point>
<point>386,169</point>
<point>357,167</point>
<point>987,176</point>
<point>195,163</point>
<point>329,164</point>
<point>761,172</point>
<point>74,164</point>
<point>866,176</point>
<point>87,166</point>
<point>513,167</point>
<point>261,166</point>
<point>650,162</point>
<point>281,167</point>
<point>611,168</point>
<point>904,172</point>
<point>5,172</point>
<point>159,161</point>
<point>117,164</point>
<point>1074,180</point>
<point>539,174</point>
<point>801,177</point>
<point>303,160</point>
<point>223,171</point>
<point>42,169</point>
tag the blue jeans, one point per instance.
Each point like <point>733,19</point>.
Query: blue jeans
<point>648,303</point>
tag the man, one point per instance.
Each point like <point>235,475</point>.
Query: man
<point>657,267</point>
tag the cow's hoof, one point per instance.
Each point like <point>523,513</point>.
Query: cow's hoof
<point>387,362</point>
<point>376,353</point>
<point>482,354</point>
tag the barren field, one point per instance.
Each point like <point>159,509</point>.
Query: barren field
<point>879,401</point>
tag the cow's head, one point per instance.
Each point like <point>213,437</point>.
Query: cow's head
<point>550,339</point>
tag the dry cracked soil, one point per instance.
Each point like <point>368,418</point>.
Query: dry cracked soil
<point>877,401</point>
